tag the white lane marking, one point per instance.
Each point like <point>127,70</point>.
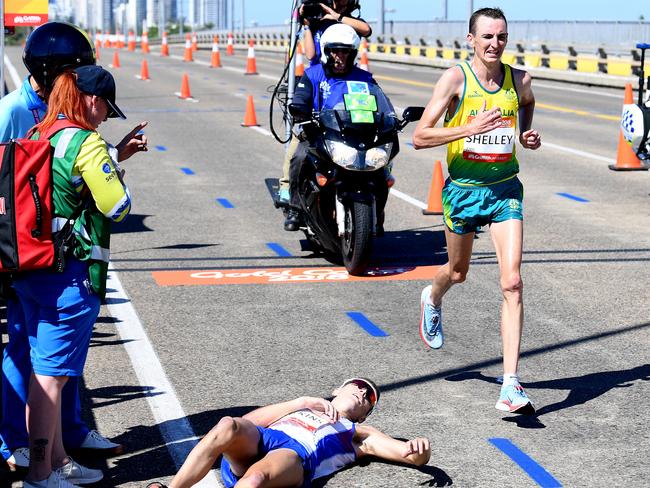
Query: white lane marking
<point>577,90</point>
<point>408,198</point>
<point>167,410</point>
<point>262,130</point>
<point>584,154</point>
<point>13,73</point>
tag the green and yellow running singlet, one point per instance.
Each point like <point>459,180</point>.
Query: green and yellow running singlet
<point>486,158</point>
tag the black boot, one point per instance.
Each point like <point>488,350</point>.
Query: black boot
<point>292,222</point>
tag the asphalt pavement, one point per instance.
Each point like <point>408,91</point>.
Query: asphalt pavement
<point>168,360</point>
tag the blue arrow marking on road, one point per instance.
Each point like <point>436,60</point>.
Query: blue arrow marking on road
<point>366,324</point>
<point>187,171</point>
<point>278,249</point>
<point>161,148</point>
<point>225,203</point>
<point>542,477</point>
<point>572,197</point>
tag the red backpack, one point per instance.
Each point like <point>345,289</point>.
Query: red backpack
<point>26,204</point>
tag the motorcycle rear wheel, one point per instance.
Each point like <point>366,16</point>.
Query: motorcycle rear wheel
<point>356,242</point>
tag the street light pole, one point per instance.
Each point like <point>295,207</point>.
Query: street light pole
<point>444,10</point>
<point>382,19</point>
<point>470,5</point>
<point>243,17</point>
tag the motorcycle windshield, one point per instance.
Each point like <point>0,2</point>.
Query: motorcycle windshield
<point>361,120</point>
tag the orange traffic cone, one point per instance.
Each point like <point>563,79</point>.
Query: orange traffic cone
<point>144,72</point>
<point>131,41</point>
<point>145,42</point>
<point>116,60</point>
<point>626,160</point>
<point>97,49</point>
<point>185,88</point>
<point>188,49</point>
<point>363,64</point>
<point>164,47</point>
<point>250,120</point>
<point>434,203</point>
<point>230,49</point>
<point>216,56</point>
<point>251,65</point>
<point>107,40</point>
<point>300,63</point>
<point>364,46</point>
<point>195,42</point>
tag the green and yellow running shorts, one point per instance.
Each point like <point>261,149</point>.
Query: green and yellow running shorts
<point>466,208</point>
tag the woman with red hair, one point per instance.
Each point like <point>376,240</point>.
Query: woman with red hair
<point>59,308</point>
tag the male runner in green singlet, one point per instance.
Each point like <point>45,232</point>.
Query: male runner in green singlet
<point>482,101</point>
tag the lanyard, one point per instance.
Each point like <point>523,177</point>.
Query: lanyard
<point>37,117</point>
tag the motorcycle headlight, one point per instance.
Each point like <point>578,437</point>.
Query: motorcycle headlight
<point>378,157</point>
<point>342,154</point>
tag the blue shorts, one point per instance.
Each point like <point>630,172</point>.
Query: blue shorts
<point>466,208</point>
<point>270,440</point>
<point>58,311</point>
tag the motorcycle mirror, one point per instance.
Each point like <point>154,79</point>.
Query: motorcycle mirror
<point>412,114</point>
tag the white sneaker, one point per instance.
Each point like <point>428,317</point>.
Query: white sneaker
<point>53,481</point>
<point>75,473</point>
<point>94,440</point>
<point>19,459</point>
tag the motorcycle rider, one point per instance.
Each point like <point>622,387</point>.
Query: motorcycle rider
<point>312,31</point>
<point>323,87</point>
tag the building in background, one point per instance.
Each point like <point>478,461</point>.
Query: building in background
<point>125,15</point>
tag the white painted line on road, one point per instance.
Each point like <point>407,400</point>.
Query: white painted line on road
<point>163,402</point>
<point>262,130</point>
<point>13,73</point>
<point>577,90</point>
<point>578,153</point>
<point>408,198</point>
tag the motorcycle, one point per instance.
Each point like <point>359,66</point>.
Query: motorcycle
<point>344,181</point>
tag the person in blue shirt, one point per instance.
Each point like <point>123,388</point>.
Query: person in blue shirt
<point>293,443</point>
<point>323,87</point>
<point>312,31</point>
<point>340,12</point>
<point>50,50</point>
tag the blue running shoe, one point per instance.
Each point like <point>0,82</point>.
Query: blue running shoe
<point>431,321</point>
<point>513,399</point>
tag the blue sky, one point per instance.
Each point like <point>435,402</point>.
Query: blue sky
<point>272,12</point>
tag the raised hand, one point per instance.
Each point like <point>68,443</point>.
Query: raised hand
<point>132,143</point>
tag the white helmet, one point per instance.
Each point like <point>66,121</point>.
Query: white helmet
<point>635,125</point>
<point>339,36</point>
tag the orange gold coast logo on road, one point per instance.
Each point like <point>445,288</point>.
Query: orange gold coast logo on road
<point>288,275</point>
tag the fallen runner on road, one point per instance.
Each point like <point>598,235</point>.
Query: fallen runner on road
<point>290,444</point>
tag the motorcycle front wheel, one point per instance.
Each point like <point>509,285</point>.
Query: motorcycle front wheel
<point>357,238</point>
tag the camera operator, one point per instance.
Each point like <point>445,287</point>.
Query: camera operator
<point>333,11</point>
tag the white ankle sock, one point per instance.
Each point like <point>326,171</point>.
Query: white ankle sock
<point>510,379</point>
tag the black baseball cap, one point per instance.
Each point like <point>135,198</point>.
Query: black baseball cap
<point>95,80</point>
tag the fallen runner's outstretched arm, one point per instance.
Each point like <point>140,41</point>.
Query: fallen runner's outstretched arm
<point>372,442</point>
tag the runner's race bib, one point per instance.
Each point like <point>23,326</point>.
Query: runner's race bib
<point>495,146</point>
<point>306,419</point>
